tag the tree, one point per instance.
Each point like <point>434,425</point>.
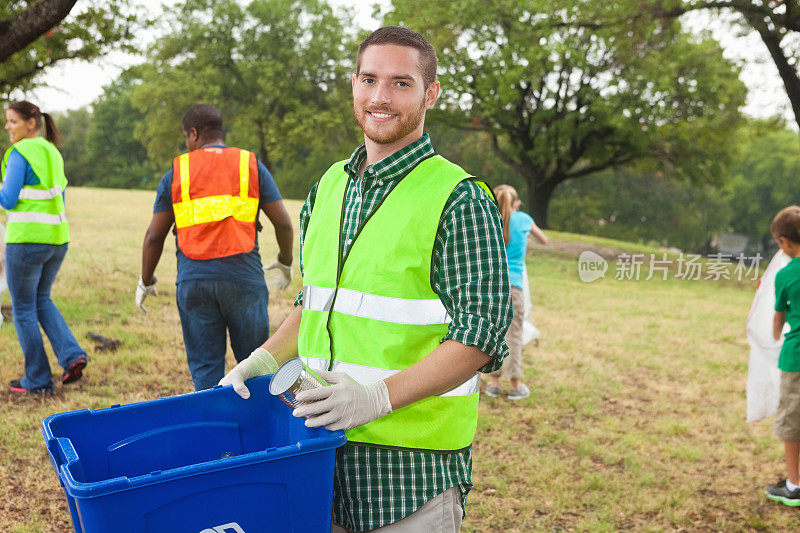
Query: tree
<point>562,101</point>
<point>777,23</point>
<point>473,150</point>
<point>34,35</point>
<point>26,26</point>
<point>277,69</point>
<point>74,126</point>
<point>765,180</point>
<point>116,157</point>
<point>642,207</point>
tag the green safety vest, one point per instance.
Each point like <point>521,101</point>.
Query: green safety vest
<point>39,216</point>
<point>374,313</point>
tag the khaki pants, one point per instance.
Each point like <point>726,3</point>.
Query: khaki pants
<point>513,363</point>
<point>441,514</point>
<point>787,421</point>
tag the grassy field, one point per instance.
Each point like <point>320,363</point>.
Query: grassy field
<point>635,422</point>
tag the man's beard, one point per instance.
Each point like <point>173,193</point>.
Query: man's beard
<point>405,124</point>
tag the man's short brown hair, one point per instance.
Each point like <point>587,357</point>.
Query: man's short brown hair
<point>787,224</point>
<point>400,36</point>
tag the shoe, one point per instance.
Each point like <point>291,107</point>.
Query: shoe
<point>780,493</point>
<point>74,372</point>
<point>492,392</point>
<point>520,393</point>
<point>15,385</point>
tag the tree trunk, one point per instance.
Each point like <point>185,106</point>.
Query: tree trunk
<point>787,71</point>
<point>25,27</point>
<point>263,156</point>
<point>539,200</point>
<point>263,152</point>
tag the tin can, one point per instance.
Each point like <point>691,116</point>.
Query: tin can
<point>292,377</point>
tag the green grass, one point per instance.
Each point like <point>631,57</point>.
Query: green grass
<point>635,421</point>
<point>603,241</point>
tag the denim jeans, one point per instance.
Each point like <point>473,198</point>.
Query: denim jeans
<point>209,308</point>
<point>31,270</point>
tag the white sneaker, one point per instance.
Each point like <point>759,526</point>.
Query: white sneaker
<point>492,392</point>
<point>520,393</point>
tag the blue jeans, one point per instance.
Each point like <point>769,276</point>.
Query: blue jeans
<point>209,308</point>
<point>31,270</point>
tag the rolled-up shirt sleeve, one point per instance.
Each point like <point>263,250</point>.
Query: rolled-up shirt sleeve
<point>470,272</point>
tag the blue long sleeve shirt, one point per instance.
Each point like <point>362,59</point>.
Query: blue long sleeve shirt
<point>18,173</point>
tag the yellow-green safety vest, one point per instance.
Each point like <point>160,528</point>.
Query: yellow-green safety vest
<point>375,313</point>
<point>39,216</point>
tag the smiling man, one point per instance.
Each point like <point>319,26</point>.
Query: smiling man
<point>405,297</point>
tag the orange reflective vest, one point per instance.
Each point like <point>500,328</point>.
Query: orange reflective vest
<point>215,202</point>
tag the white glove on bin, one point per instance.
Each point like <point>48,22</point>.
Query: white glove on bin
<point>258,363</point>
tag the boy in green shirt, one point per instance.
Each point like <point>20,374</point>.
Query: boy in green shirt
<point>785,228</point>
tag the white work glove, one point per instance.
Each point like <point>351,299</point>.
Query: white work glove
<point>344,404</point>
<point>258,363</point>
<point>142,291</point>
<point>285,272</point>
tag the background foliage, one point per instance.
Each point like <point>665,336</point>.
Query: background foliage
<point>608,118</point>
<point>564,101</point>
<point>89,30</point>
<point>276,68</point>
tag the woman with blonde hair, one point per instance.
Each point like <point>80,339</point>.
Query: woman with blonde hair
<point>516,226</point>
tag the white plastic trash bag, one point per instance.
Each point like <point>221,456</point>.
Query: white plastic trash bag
<point>763,376</point>
<point>529,331</point>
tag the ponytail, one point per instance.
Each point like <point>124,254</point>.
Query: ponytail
<point>28,110</point>
<point>51,132</point>
<point>506,196</point>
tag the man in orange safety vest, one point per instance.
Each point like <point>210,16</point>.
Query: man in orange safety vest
<point>212,195</point>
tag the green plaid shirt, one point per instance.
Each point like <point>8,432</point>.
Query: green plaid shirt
<point>376,486</point>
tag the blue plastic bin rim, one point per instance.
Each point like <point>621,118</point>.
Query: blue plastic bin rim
<point>62,455</point>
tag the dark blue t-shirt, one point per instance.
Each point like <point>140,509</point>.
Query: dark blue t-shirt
<point>244,267</point>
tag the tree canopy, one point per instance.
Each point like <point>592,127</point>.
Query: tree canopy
<point>777,23</point>
<point>562,101</point>
<point>113,153</point>
<point>642,207</point>
<point>278,70</point>
<point>36,34</point>
<point>764,180</point>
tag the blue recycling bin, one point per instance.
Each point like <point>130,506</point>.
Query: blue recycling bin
<point>205,462</point>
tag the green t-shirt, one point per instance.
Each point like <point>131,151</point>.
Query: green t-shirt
<point>787,298</point>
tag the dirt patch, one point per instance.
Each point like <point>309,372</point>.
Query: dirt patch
<point>103,344</point>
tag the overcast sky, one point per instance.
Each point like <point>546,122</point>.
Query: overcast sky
<point>77,84</point>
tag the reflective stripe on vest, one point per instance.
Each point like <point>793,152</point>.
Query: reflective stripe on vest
<point>366,375</point>
<point>190,212</point>
<point>215,199</point>
<point>39,216</point>
<point>38,194</point>
<point>376,314</point>
<point>384,308</point>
